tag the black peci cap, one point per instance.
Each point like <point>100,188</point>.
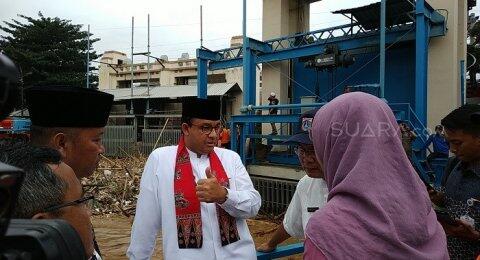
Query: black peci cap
<point>193,107</point>
<point>63,106</point>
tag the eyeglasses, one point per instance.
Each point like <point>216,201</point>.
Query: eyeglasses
<point>303,152</point>
<point>71,203</point>
<point>207,129</point>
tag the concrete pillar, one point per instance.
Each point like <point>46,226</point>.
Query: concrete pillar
<point>445,54</point>
<point>281,18</point>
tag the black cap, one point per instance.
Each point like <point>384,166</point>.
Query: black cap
<point>475,117</point>
<point>306,120</point>
<point>62,106</point>
<point>200,108</point>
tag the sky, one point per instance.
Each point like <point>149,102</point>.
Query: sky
<point>174,25</point>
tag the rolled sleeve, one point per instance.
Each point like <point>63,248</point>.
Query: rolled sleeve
<point>243,201</point>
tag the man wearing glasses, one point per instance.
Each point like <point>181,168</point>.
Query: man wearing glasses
<point>311,192</point>
<point>50,189</point>
<point>197,194</point>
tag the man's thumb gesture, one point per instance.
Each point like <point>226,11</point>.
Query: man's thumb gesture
<point>210,174</point>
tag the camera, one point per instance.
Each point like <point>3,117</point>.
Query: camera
<point>25,238</point>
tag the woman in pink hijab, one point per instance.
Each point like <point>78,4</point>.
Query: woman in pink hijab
<point>378,208</point>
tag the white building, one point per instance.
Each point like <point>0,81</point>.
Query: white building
<point>115,76</point>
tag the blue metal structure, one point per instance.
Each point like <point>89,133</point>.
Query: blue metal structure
<point>427,23</point>
<point>407,65</point>
<point>422,30</point>
<point>383,16</point>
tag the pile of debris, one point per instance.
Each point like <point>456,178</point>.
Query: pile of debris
<point>115,185</point>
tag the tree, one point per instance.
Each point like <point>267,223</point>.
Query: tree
<point>49,51</point>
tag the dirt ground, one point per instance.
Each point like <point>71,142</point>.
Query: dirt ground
<point>113,235</point>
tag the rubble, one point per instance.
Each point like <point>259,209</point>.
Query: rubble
<point>115,185</point>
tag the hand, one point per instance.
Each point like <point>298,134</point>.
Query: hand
<point>209,190</point>
<point>437,198</point>
<point>266,247</point>
<point>462,230</point>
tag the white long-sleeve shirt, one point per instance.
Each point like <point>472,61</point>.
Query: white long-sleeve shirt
<point>310,193</point>
<point>156,209</point>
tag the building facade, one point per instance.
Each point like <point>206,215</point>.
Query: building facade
<point>115,72</point>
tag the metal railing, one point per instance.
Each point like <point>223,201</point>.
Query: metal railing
<point>151,139</point>
<point>318,37</point>
<point>119,140</point>
<point>276,194</point>
<point>281,251</point>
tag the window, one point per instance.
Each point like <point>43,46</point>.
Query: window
<point>181,80</point>
<point>180,64</point>
<point>216,78</point>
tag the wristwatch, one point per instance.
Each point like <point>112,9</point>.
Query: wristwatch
<point>226,195</point>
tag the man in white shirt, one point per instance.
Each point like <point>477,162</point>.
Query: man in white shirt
<point>311,192</point>
<point>197,194</point>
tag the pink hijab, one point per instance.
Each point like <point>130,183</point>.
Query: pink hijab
<point>378,208</point>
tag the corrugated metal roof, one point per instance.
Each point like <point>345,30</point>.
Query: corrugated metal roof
<point>217,89</point>
<point>368,16</point>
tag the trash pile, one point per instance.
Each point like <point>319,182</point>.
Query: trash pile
<point>115,185</point>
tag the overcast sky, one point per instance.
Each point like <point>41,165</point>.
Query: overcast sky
<point>175,26</point>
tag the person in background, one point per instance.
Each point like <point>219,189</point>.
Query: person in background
<point>408,136</point>
<point>50,189</point>
<point>197,194</point>
<point>440,144</point>
<point>311,191</point>
<point>377,208</point>
<point>460,189</point>
<point>273,111</point>
<point>224,140</point>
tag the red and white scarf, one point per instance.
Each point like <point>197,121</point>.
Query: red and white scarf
<point>187,205</point>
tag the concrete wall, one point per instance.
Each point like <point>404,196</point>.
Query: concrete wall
<point>445,54</point>
<point>281,18</point>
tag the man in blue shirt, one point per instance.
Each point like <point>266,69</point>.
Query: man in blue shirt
<point>440,144</point>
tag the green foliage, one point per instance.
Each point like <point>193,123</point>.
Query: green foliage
<point>49,51</point>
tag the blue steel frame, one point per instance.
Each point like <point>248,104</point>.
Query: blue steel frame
<point>428,23</point>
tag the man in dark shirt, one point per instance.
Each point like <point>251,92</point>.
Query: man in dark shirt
<point>461,184</point>
<point>273,111</point>
<point>476,118</point>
